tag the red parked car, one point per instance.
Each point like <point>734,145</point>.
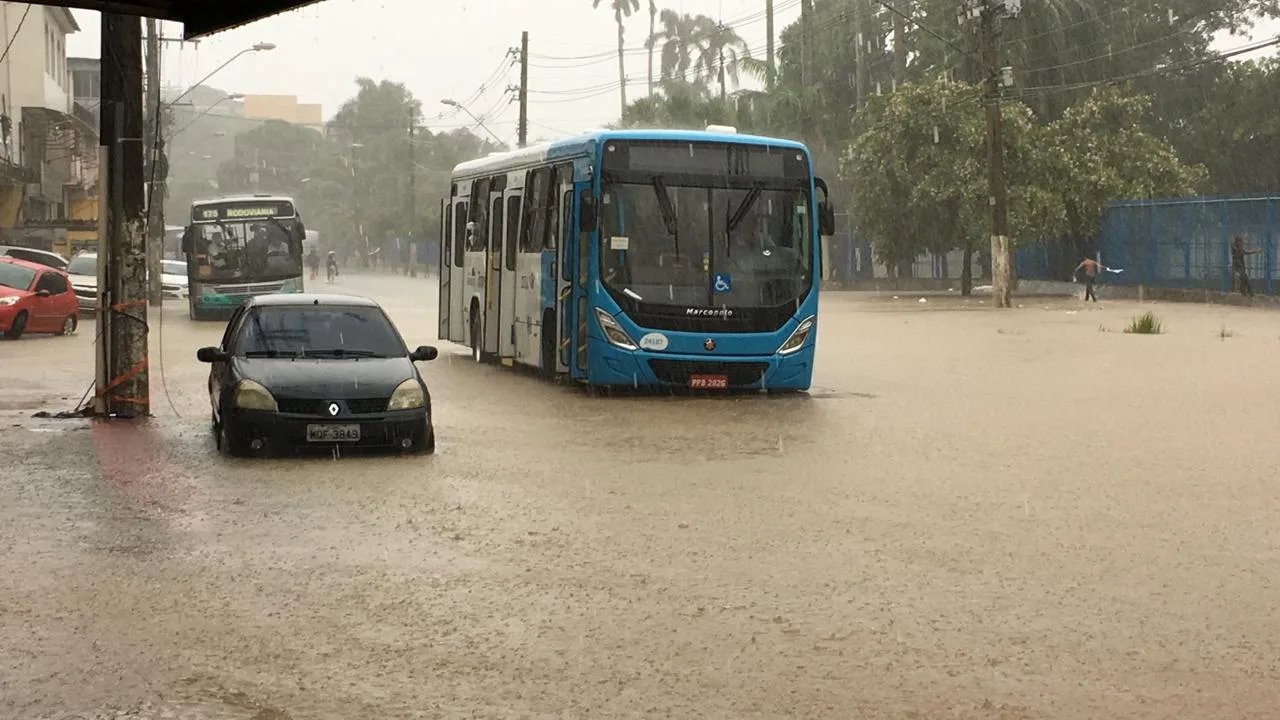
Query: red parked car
<point>35,298</point>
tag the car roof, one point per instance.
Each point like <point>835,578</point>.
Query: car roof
<point>313,299</point>
<point>29,265</point>
<point>6,248</point>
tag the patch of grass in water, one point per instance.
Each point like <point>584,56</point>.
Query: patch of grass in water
<point>1145,324</point>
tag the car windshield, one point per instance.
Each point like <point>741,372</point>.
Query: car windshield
<point>83,265</point>
<point>244,250</point>
<point>316,331</point>
<point>16,276</point>
<point>173,267</point>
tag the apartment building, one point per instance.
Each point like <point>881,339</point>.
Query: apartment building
<point>48,155</point>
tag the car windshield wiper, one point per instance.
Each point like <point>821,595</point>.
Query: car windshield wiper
<point>343,352</point>
<point>269,353</point>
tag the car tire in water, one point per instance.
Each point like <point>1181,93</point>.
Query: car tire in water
<point>69,325</point>
<point>232,443</point>
<point>18,327</point>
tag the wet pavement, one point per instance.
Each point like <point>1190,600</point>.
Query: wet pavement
<point>973,515</point>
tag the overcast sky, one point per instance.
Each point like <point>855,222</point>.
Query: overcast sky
<point>448,50</point>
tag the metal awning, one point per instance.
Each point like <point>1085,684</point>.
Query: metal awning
<point>198,17</point>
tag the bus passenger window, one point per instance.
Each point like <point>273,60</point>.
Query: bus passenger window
<point>495,239</point>
<point>513,230</point>
<point>459,233</point>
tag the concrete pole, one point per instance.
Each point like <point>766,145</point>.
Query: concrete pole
<point>127,392</point>
<point>156,169</point>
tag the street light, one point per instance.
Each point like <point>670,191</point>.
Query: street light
<point>459,106</point>
<point>260,47</point>
<point>232,96</point>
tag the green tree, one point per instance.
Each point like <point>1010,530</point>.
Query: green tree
<point>1101,150</point>
<point>273,157</point>
<point>622,10</point>
<point>722,50</point>
<point>682,38</point>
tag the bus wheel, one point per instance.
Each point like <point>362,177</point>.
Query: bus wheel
<point>549,343</point>
<point>475,335</point>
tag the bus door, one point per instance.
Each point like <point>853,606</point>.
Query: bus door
<point>567,225</point>
<point>445,299</point>
<point>582,256</point>
<point>493,268</point>
<point>507,292</point>
<point>457,271</point>
<point>475,263</point>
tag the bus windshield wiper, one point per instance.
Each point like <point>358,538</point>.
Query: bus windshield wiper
<point>747,203</point>
<point>664,204</point>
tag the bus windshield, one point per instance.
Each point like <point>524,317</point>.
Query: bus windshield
<point>706,225</point>
<point>247,249</point>
<point>711,246</point>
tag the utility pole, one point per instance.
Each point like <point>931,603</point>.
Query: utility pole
<point>770,53</point>
<point>859,55</point>
<point>156,168</point>
<point>806,42</point>
<point>413,199</point>
<point>523,128</point>
<point>998,190</point>
<point>122,300</point>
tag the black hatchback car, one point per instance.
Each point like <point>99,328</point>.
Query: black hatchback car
<point>317,371</point>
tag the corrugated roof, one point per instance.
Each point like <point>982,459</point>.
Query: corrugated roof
<point>198,17</point>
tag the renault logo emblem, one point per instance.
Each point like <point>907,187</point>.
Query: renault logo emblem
<point>709,344</point>
<point>333,408</point>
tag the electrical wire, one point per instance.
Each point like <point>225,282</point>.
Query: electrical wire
<point>9,45</point>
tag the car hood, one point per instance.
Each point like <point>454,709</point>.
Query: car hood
<point>6,291</point>
<point>326,379</point>
<point>168,279</point>
<point>83,280</point>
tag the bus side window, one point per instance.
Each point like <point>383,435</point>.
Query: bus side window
<point>513,230</point>
<point>496,217</point>
<point>566,210</point>
<point>478,237</point>
<point>459,233</point>
<point>446,239</point>
<point>533,232</point>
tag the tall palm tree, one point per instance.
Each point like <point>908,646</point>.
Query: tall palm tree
<point>722,47</point>
<point>622,10</point>
<point>681,36</point>
<point>651,43</point>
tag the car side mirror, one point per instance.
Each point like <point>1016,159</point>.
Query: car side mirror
<point>211,355</point>
<point>586,212</point>
<point>424,353</point>
<point>43,294</point>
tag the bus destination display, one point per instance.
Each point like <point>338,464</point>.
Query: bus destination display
<point>243,211</point>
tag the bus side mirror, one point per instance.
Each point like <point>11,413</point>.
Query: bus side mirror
<point>826,219</point>
<point>586,212</point>
<point>188,241</point>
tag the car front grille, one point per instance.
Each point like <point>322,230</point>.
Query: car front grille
<point>362,406</point>
<point>678,371</point>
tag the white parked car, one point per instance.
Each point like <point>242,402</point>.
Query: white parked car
<point>83,271</point>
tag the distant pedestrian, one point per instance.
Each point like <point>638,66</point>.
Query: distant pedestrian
<point>1088,268</point>
<point>1238,254</point>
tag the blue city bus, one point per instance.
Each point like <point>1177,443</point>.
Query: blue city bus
<point>639,258</point>
<point>239,247</point>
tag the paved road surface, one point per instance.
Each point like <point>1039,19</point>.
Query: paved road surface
<point>974,515</point>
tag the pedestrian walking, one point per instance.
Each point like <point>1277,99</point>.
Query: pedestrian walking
<point>1241,273</point>
<point>1088,268</point>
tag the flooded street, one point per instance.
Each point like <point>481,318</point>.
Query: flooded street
<point>1025,514</point>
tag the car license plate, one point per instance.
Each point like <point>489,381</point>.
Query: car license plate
<point>709,382</point>
<point>333,433</point>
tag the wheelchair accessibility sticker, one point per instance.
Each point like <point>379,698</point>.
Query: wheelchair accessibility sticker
<point>722,283</point>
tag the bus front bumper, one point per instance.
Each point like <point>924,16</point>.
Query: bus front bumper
<point>613,366</point>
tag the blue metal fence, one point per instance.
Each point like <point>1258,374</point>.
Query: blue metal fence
<point>1186,243</point>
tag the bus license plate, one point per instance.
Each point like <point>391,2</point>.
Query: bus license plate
<point>333,433</point>
<point>709,382</point>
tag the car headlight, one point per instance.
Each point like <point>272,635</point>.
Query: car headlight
<point>408,396</point>
<point>250,395</point>
<point>801,333</point>
<point>613,332</point>
<point>9,300</point>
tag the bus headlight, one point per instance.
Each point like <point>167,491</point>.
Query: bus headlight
<point>408,396</point>
<point>801,333</point>
<point>250,395</point>
<point>613,332</point>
